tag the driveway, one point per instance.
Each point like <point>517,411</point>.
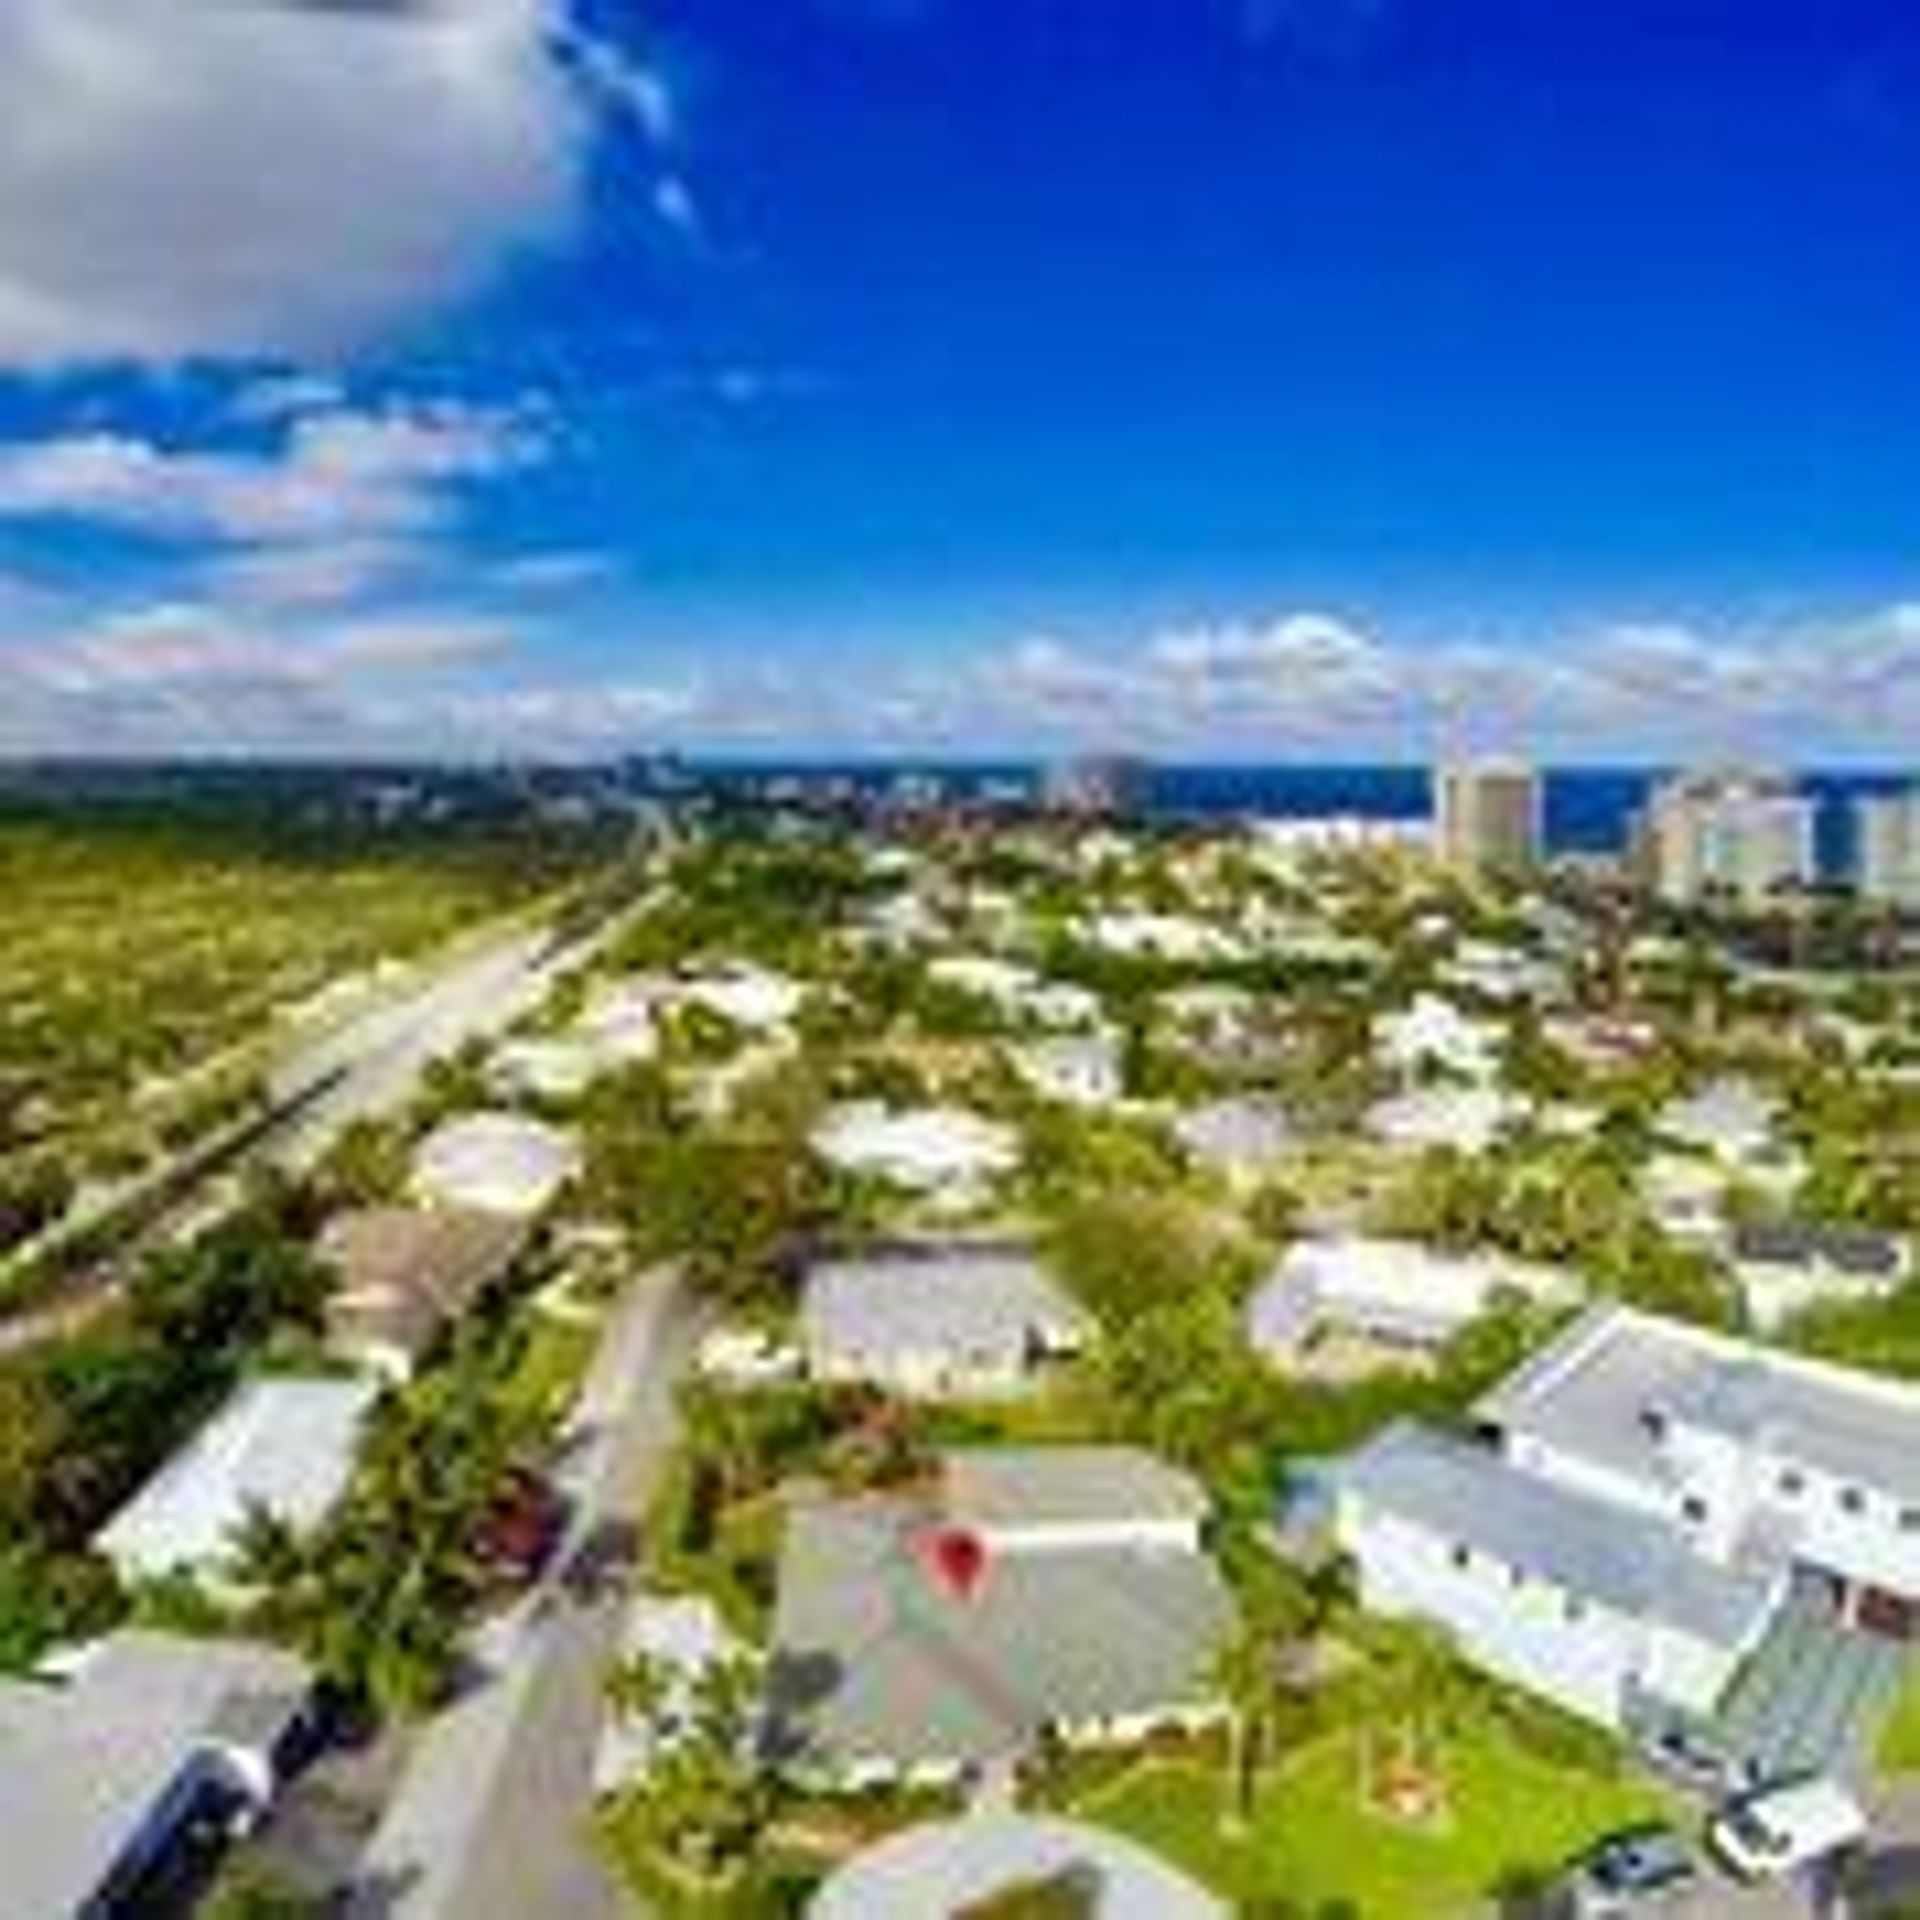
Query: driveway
<point>490,1820</point>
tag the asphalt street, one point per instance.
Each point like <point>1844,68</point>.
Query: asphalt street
<point>490,1819</point>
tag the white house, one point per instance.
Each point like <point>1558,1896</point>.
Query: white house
<point>682,1636</point>
<point>1471,1118</point>
<point>1394,1292</point>
<point>550,1068</point>
<point>1080,1070</point>
<point>1650,1496</point>
<point>946,1867</point>
<point>943,1153</point>
<point>495,1163</point>
<point>752,997</point>
<point>1734,1125</point>
<point>281,1446</point>
<point>937,1322</point>
<point>1017,992</point>
<point>1588,1603</point>
<point>1432,1035</point>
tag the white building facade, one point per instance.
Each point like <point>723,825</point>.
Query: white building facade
<point>1647,1497</point>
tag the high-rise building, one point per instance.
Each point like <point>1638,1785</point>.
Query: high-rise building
<point>1887,829</point>
<point>1488,816</point>
<point>1744,838</point>
<point>1112,785</point>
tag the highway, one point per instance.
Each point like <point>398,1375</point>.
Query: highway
<point>370,1064</point>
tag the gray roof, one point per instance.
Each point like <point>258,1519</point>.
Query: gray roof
<point>1586,1393</point>
<point>985,1305</point>
<point>878,1661</point>
<point>1859,1251</point>
<point>86,1766</point>
<point>1591,1549</point>
<point>1868,1434</point>
<point>1590,1394</point>
<point>1049,1485</point>
<point>934,1871</point>
<point>1235,1133</point>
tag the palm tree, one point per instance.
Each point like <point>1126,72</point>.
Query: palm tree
<point>637,1689</point>
<point>1244,1673</point>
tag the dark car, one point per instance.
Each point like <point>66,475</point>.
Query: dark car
<point>1633,1872</point>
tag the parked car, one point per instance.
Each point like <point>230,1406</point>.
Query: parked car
<point>1641,1870</point>
<point>1777,1830</point>
<point>1688,1760</point>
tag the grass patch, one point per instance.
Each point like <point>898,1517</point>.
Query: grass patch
<point>551,1366</point>
<point>1310,1842</point>
<point>1899,1747</point>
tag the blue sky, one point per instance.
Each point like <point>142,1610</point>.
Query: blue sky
<point>1255,377</point>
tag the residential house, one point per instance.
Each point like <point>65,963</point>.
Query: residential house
<point>1471,1118</point>
<point>946,1155</point>
<point>282,1445</point>
<point>1240,1139</point>
<point>404,1273</point>
<point>1651,1503</point>
<point>1079,1070</point>
<point>500,1163</point>
<point>1029,1590</point>
<point>1784,1267</point>
<point>937,1322</point>
<point>107,1773</point>
<point>946,1867</point>
<point>1398,1296</point>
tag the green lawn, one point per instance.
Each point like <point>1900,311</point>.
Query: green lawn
<point>1899,1750</point>
<point>1311,1842</point>
<point>552,1366</point>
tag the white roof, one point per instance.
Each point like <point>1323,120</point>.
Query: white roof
<point>1395,1287</point>
<point>554,1069</point>
<point>1732,1118</point>
<point>1470,1118</point>
<point>496,1162</point>
<point>281,1444</point>
<point>748,996</point>
<point>1168,936</point>
<point>621,1020</point>
<point>1433,1030</point>
<point>1589,1395</point>
<point>921,1148</point>
<point>1235,1133</point>
<point>1083,1067</point>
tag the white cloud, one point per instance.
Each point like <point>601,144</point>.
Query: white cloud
<point>188,677</point>
<point>190,180</point>
<point>341,501</point>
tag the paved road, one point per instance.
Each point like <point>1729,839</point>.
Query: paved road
<point>373,1063</point>
<point>490,1819</point>
<point>369,1065</point>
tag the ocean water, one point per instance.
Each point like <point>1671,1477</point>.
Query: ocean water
<point>1588,809</point>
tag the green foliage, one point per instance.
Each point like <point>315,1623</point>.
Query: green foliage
<point>735,1202</point>
<point>379,1596</point>
<point>703,1801</point>
<point>140,943</point>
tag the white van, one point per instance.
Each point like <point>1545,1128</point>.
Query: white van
<point>1773,1832</point>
